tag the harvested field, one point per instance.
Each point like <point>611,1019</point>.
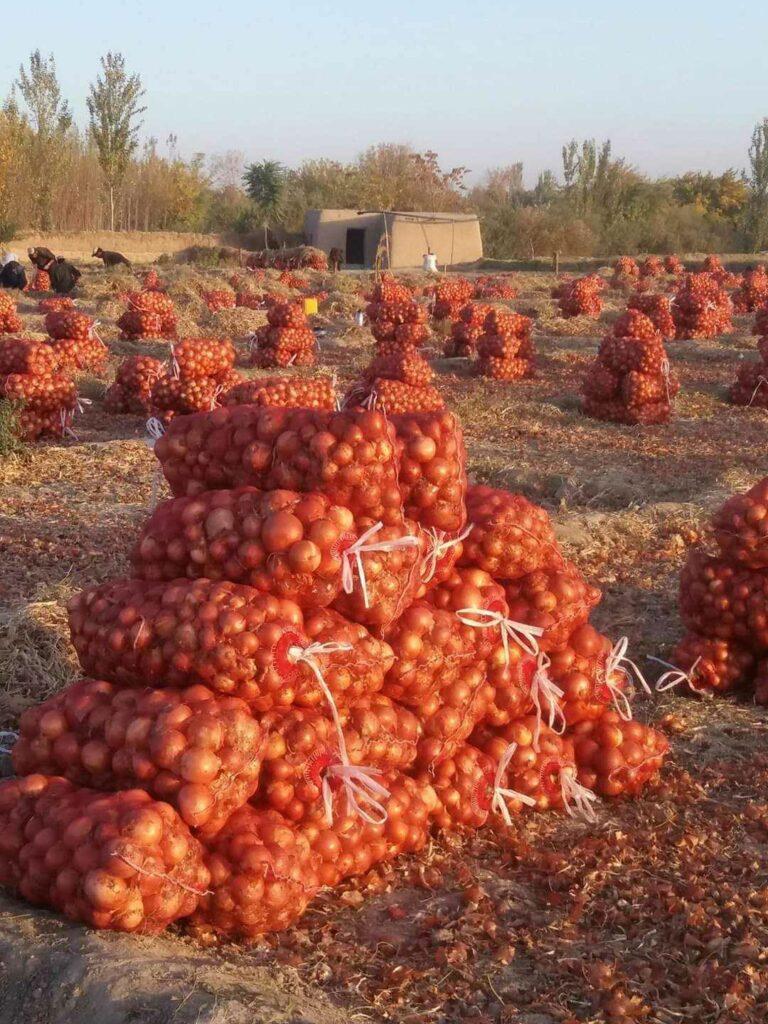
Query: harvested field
<point>656,913</point>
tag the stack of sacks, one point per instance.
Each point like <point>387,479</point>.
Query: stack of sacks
<point>41,282</point>
<point>505,349</point>
<point>714,265</point>
<point>131,391</point>
<point>10,321</point>
<point>630,381</point>
<point>753,290</point>
<point>284,392</point>
<point>751,384</point>
<point>151,282</point>
<point>397,320</point>
<point>450,297</point>
<point>286,339</point>
<point>329,647</point>
<point>75,341</point>
<point>673,265</point>
<point>219,298</point>
<point>651,267</point>
<point>724,603</point>
<point>466,331</point>
<point>658,310</point>
<point>202,370</point>
<point>32,381</point>
<point>581,297</point>
<point>150,314</point>
<point>626,273</point>
<point>55,304</point>
<point>397,382</point>
<point>496,289</point>
<point>701,308</point>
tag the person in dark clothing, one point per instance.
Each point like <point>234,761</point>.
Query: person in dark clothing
<point>335,260</point>
<point>40,257</point>
<point>12,274</point>
<point>64,276</point>
<point>111,259</point>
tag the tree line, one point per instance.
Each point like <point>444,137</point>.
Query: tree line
<point>56,175</point>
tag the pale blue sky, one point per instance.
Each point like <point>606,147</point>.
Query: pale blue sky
<point>675,85</point>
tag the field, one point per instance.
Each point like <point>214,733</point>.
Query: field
<point>657,913</point>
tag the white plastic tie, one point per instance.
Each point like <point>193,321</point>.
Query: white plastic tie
<point>618,662</point>
<point>66,416</point>
<point>760,381</point>
<point>360,787</point>
<point>155,431</point>
<point>675,676</point>
<point>7,736</point>
<point>361,547</point>
<point>521,633</point>
<point>82,403</point>
<point>577,799</point>
<point>546,693</point>
<point>501,794</point>
<point>439,546</point>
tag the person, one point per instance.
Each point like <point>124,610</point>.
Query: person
<point>12,274</point>
<point>64,276</point>
<point>335,259</point>
<point>430,262</point>
<point>40,256</point>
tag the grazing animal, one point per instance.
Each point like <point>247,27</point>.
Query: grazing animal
<point>64,276</point>
<point>40,257</point>
<point>111,259</point>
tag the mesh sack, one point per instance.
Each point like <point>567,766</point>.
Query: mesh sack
<point>510,536</point>
<point>615,757</point>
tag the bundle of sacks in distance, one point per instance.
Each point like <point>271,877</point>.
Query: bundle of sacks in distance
<point>450,296</point>
<point>75,341</point>
<point>752,291</point>
<point>714,265</point>
<point>724,604</point>
<point>286,339</point>
<point>751,384</point>
<point>496,289</point>
<point>201,370</point>
<point>657,308</point>
<point>330,646</point>
<point>10,321</point>
<point>631,381</point>
<point>673,265</point>
<point>466,331</point>
<point>150,314</point>
<point>701,307</point>
<point>652,267</point>
<point>626,273</point>
<point>580,297</point>
<point>505,349</point>
<point>32,380</point>
<point>131,391</point>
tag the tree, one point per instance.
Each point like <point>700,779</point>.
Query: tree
<point>51,119</point>
<point>265,184</point>
<point>756,220</point>
<point>113,108</point>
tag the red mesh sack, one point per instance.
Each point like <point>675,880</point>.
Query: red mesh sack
<point>263,876</point>
<point>285,392</point>
<point>69,323</point>
<point>428,644</point>
<point>432,477</point>
<point>652,266</point>
<point>751,385</point>
<point>449,716</point>
<point>171,396</point>
<point>405,365</point>
<point>761,684</point>
<point>752,291</point>
<point>701,308</point>
<point>121,861</point>
<point>134,379</point>
<point>625,271</point>
<point>229,637</point>
<point>708,666</point>
<point>381,732</point>
<point>10,321</point>
<point>590,673</point>
<point>352,846</point>
<point>198,751</point>
<point>41,282</point>
<point>496,288</point>
<point>203,358</point>
<point>393,396</point>
<point>20,355</point>
<point>581,297</point>
<point>512,685</point>
<point>279,542</point>
<point>510,536</point>
<point>601,384</point>
<point>464,786</point>
<point>557,600</point>
<point>55,304</point>
<point>673,265</point>
<point>219,298</point>
<point>741,527</point>
<point>617,758</point>
<point>722,601</point>
<point>539,770</point>
<point>80,354</point>
<point>136,325</point>
<point>658,310</point>
<point>33,424</point>
<point>53,394</point>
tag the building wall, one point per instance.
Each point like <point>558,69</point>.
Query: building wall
<point>328,228</point>
<point>456,242</point>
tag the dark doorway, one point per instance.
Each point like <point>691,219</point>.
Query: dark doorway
<point>355,246</point>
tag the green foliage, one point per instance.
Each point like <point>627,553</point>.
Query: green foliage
<point>756,214</point>
<point>9,429</point>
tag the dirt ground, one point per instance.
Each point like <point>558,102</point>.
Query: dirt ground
<point>657,913</point>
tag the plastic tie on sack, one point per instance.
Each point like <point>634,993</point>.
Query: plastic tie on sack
<point>577,799</point>
<point>501,793</point>
<point>618,662</point>
<point>361,547</point>
<point>545,691</point>
<point>760,381</point>
<point>523,635</point>
<point>66,416</point>
<point>665,371</point>
<point>81,403</point>
<point>439,546</point>
<point>360,787</point>
<point>675,676</point>
<point>155,431</point>
<point>162,874</point>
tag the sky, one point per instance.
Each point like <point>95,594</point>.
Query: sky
<point>675,86</point>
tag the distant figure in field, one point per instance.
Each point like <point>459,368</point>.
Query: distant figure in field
<point>111,259</point>
<point>64,275</point>
<point>429,263</point>
<point>335,260</point>
<point>12,274</point>
<point>40,257</point>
